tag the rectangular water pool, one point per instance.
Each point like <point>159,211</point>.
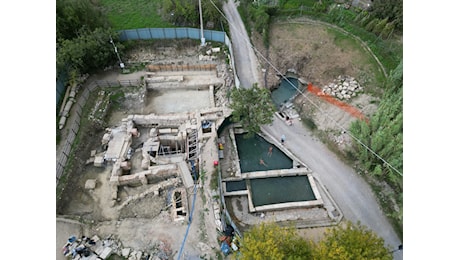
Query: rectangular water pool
<point>275,190</point>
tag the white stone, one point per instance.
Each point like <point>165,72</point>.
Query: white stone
<point>125,252</point>
<point>106,253</point>
<point>90,184</point>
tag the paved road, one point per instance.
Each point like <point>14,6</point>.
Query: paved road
<point>350,191</point>
<point>246,62</point>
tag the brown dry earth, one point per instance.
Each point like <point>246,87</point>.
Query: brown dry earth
<point>144,224</point>
<point>309,49</point>
<point>319,56</point>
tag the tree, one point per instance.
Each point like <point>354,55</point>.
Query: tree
<point>351,242</point>
<point>393,9</point>
<point>252,108</point>
<point>383,134</point>
<point>75,16</point>
<point>87,52</point>
<point>186,13</point>
<point>270,241</point>
<point>378,28</point>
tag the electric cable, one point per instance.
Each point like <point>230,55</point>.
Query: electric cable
<point>308,99</point>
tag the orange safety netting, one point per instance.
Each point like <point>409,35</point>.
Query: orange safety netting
<point>344,106</point>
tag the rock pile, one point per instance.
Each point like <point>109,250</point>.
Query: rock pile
<point>95,248</point>
<point>344,87</point>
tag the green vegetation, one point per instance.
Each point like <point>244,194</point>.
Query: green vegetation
<point>82,37</point>
<point>351,242</point>
<point>384,135</point>
<point>260,14</point>
<point>252,108</point>
<point>134,14</point>
<point>382,37</point>
<point>391,10</point>
<point>380,28</point>
<point>74,17</point>
<point>270,241</point>
<point>378,77</point>
<point>214,184</point>
<point>76,146</point>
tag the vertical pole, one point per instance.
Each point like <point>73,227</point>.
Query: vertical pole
<point>203,41</point>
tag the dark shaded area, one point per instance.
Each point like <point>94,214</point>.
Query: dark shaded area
<point>285,91</point>
<point>235,185</point>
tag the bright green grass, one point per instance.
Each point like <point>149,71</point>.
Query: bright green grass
<point>292,4</point>
<point>370,72</point>
<point>133,14</point>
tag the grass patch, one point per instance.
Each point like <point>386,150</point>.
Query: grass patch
<point>365,60</point>
<point>215,179</point>
<point>85,127</point>
<point>308,122</point>
<point>134,14</point>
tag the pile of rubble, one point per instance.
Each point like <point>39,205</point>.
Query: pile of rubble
<point>344,87</point>
<point>94,248</point>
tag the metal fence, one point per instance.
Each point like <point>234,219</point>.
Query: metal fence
<point>160,33</point>
<point>134,34</point>
<point>171,33</point>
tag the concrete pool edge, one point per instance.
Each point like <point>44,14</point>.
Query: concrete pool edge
<point>301,214</point>
<point>272,174</point>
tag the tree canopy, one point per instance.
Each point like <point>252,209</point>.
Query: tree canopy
<point>76,16</point>
<point>270,241</point>
<point>82,37</point>
<point>252,108</point>
<point>186,13</point>
<point>389,9</point>
<point>384,134</point>
<point>351,242</point>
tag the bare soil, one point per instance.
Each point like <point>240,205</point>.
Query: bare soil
<point>317,54</point>
<point>143,223</point>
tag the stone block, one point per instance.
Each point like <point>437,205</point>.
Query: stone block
<point>99,161</point>
<point>106,253</point>
<point>90,184</point>
<point>125,252</point>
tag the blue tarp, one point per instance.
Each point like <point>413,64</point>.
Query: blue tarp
<point>225,248</point>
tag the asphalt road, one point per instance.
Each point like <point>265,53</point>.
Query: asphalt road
<point>246,62</point>
<point>353,195</point>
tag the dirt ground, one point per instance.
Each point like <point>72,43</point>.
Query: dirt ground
<point>317,55</point>
<point>143,223</point>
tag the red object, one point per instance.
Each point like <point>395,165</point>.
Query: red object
<point>216,163</point>
<point>344,106</point>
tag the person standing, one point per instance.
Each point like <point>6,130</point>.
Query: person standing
<point>283,138</point>
<point>270,151</point>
